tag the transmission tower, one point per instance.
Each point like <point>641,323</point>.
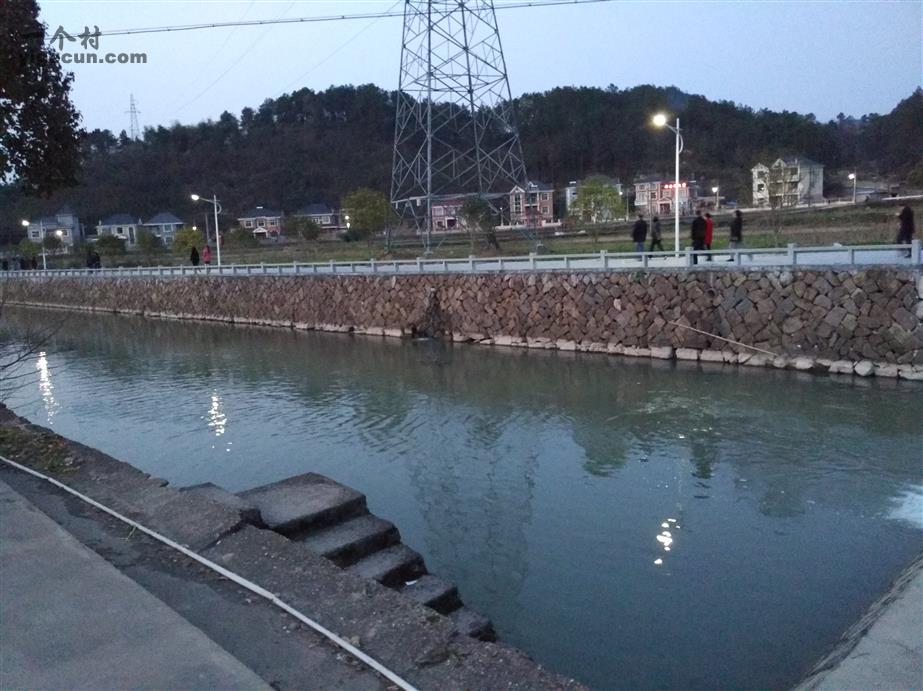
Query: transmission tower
<point>135,129</point>
<point>454,129</point>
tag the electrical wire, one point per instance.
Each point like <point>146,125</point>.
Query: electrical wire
<point>230,575</point>
<point>327,18</point>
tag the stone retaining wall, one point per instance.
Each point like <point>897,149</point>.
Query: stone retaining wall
<point>866,321</point>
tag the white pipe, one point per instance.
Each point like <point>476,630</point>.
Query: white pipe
<point>230,575</point>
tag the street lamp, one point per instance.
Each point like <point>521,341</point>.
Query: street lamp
<point>714,191</point>
<point>660,120</point>
<point>347,222</point>
<point>852,176</point>
<point>214,202</point>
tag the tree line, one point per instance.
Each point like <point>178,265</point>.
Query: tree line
<point>318,146</point>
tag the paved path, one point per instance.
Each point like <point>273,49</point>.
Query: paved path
<point>68,619</point>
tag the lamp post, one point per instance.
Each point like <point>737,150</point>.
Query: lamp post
<point>852,176</point>
<point>214,202</point>
<point>660,120</point>
<point>347,222</point>
<point>714,191</point>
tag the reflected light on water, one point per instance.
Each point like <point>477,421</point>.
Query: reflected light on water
<point>46,387</point>
<point>217,420</point>
<point>665,537</point>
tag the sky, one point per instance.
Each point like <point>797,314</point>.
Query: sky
<point>820,57</point>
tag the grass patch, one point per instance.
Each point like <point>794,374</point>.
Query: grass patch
<point>37,449</point>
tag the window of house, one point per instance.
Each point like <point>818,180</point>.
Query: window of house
<point>248,224</point>
<point>544,196</point>
<point>544,209</point>
<point>760,187</point>
<point>273,222</point>
<point>261,222</point>
<point>325,220</point>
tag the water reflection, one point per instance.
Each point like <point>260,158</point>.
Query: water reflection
<point>543,483</point>
<point>46,387</point>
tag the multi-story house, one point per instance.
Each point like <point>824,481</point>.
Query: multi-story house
<point>532,205</point>
<point>63,225</point>
<point>164,226</point>
<point>793,181</point>
<point>447,214</point>
<point>262,222</point>
<point>122,226</point>
<point>328,219</point>
<point>655,196</point>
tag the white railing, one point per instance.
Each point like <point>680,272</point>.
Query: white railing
<point>792,255</point>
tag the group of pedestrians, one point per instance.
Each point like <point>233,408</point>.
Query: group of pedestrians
<point>205,258</point>
<point>703,233</point>
<point>20,263</point>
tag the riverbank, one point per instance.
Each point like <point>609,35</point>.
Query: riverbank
<point>409,639</point>
<point>867,322</point>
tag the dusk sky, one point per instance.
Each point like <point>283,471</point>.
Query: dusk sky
<point>811,57</point>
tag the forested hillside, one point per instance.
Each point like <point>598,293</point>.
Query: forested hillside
<point>317,146</point>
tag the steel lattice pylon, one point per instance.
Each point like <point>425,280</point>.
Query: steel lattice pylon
<point>454,130</point>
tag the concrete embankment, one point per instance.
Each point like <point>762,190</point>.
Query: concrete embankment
<point>861,321</point>
<point>411,639</point>
<point>884,649</point>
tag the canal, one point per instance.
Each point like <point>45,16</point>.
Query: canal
<point>633,524</point>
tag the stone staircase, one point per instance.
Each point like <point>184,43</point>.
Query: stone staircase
<point>333,520</point>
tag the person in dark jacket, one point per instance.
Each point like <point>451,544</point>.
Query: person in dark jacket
<point>698,235</point>
<point>737,232</point>
<point>639,233</point>
<point>906,229</point>
<point>194,257</point>
<point>656,234</point>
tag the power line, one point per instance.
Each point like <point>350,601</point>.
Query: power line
<point>327,18</point>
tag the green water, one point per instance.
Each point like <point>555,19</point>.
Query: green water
<point>633,524</point>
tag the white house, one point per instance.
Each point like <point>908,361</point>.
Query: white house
<point>164,226</point>
<point>793,181</point>
<point>532,205</point>
<point>655,196</point>
<point>122,226</point>
<point>63,224</point>
<point>328,219</point>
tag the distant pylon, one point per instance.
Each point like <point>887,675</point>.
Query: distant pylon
<point>134,129</point>
<point>454,129</point>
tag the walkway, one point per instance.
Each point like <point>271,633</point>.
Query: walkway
<point>68,619</point>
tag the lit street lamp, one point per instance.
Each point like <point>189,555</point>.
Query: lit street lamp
<point>660,120</point>
<point>714,191</point>
<point>852,176</point>
<point>214,202</point>
<point>347,223</point>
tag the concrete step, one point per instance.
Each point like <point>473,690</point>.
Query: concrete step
<point>433,592</point>
<point>346,543</point>
<point>219,495</point>
<point>392,566</point>
<point>305,502</point>
<point>473,624</point>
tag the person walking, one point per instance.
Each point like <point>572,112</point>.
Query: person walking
<point>656,234</point>
<point>639,233</point>
<point>709,233</point>
<point>698,235</point>
<point>906,229</point>
<point>194,257</point>
<point>206,255</point>
<point>737,232</point>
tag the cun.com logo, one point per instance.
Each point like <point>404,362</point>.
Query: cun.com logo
<point>89,41</point>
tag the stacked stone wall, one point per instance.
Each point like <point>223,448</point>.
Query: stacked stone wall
<point>864,321</point>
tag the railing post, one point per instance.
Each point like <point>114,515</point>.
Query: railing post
<point>471,263</point>
<point>644,259</point>
<point>532,260</point>
<point>688,257</point>
<point>373,265</point>
<point>915,251</point>
<point>852,255</point>
<point>604,257</point>
<point>791,254</point>
<point>566,261</point>
<point>419,265</point>
<point>737,255</point>
<point>499,263</point>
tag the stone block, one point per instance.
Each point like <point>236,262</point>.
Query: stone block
<point>566,345</point>
<point>662,352</point>
<point>910,372</point>
<point>803,363</point>
<point>886,370</point>
<point>711,356</point>
<point>864,368</point>
<point>780,362</point>
<point>687,354</point>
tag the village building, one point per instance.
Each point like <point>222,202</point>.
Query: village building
<point>262,222</point>
<point>532,205</point>
<point>655,196</point>
<point>788,182</point>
